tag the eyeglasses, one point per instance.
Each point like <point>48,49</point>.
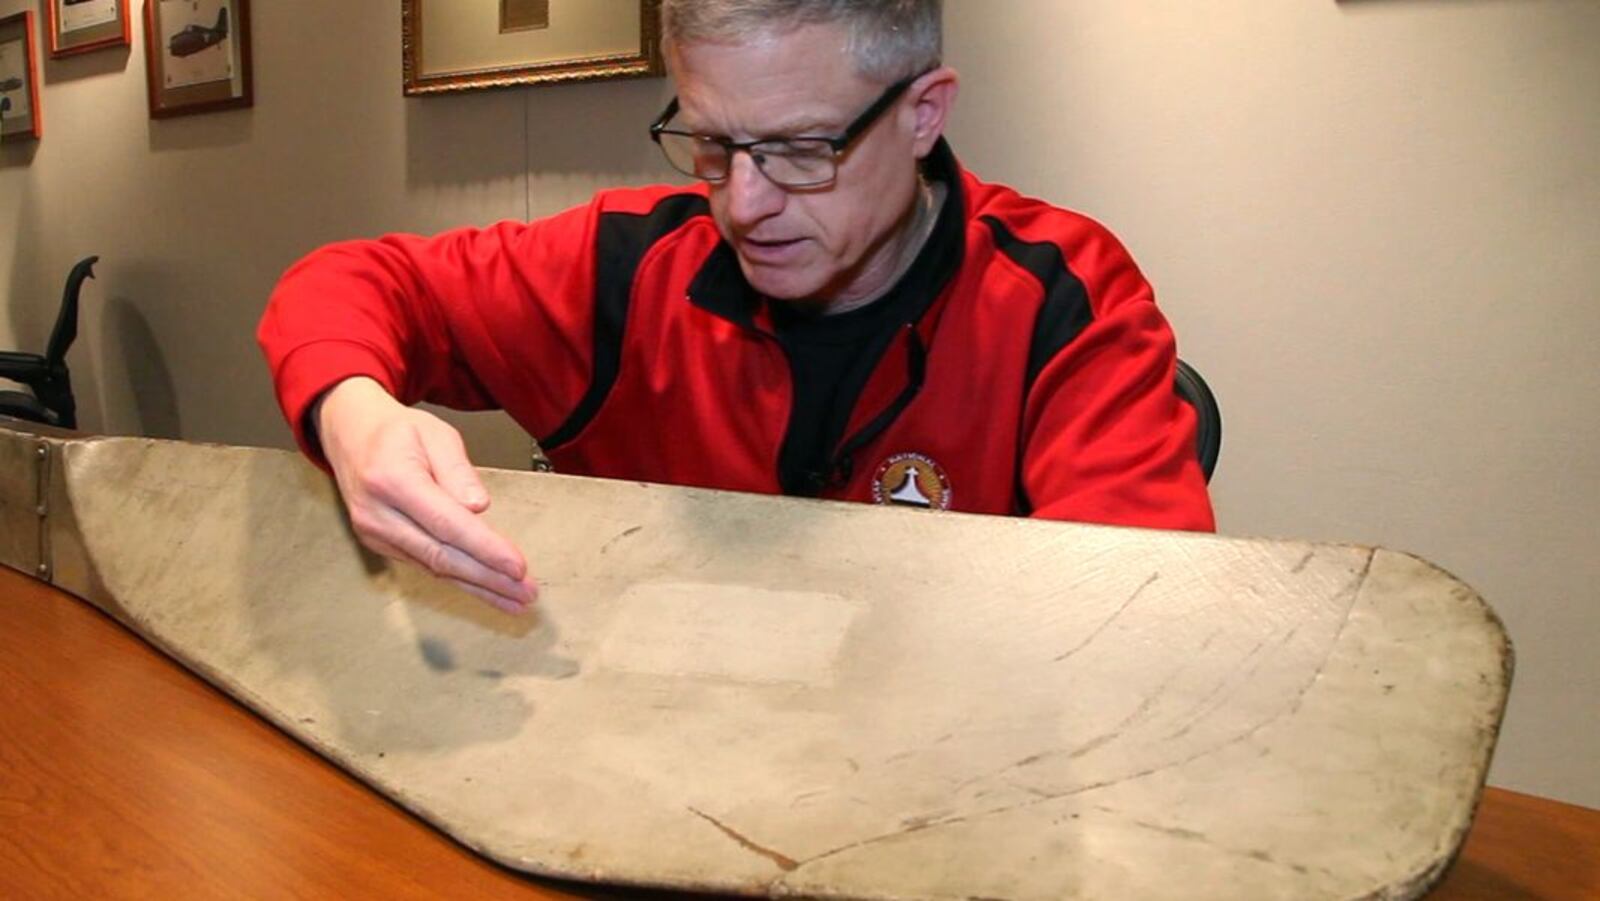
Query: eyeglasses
<point>798,162</point>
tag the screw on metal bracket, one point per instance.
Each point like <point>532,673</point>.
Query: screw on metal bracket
<point>42,508</point>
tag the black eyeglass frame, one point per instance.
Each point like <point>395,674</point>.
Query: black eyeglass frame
<point>838,144</point>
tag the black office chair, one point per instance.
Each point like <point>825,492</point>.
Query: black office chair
<point>46,377</point>
<point>1208,432</point>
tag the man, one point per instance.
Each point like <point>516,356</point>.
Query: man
<point>835,310</point>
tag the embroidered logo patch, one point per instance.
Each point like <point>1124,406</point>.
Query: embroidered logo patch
<point>911,480</point>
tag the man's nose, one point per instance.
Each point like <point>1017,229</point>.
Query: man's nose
<point>752,196</point>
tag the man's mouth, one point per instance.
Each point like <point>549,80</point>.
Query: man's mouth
<point>769,251</point>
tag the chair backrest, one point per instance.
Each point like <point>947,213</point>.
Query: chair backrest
<point>66,329</point>
<point>1208,433</point>
<point>49,396</point>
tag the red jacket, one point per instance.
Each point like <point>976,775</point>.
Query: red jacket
<point>1036,379</point>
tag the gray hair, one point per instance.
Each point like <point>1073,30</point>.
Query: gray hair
<point>889,39</point>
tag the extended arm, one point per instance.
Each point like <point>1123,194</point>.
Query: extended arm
<point>357,332</point>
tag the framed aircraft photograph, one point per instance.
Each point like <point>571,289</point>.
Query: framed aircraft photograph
<point>79,26</point>
<point>461,45</point>
<point>20,118</point>
<point>197,56</point>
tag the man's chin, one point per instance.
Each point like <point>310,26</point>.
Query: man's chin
<point>782,284</point>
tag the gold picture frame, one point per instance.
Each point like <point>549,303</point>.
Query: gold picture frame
<point>463,45</point>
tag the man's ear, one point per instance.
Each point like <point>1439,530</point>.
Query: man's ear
<point>933,96</point>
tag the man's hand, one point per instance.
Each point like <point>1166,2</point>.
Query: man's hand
<point>413,495</point>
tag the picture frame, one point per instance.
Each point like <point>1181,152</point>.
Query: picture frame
<point>20,116</point>
<point>82,26</point>
<point>197,56</point>
<point>462,45</point>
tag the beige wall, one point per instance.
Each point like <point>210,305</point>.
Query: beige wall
<point>1374,223</point>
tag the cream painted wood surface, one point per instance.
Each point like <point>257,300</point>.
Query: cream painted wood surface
<point>767,695</point>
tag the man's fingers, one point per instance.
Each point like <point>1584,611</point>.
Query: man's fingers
<point>517,603</point>
<point>380,547</point>
<point>444,559</point>
<point>509,605</point>
<point>443,518</point>
<point>412,494</point>
<point>447,459</point>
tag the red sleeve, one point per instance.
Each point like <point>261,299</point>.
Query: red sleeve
<point>1106,437</point>
<point>460,320</point>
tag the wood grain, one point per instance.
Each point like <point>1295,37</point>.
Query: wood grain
<point>122,775</point>
<point>1527,847</point>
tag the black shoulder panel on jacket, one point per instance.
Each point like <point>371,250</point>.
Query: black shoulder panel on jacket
<point>1065,312</point>
<point>622,241</point>
<point>1063,315</point>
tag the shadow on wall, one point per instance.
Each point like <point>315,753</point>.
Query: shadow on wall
<point>600,128</point>
<point>17,154</point>
<point>29,310</point>
<point>1363,5</point>
<point>229,128</point>
<point>462,139</point>
<point>577,129</point>
<point>109,61</point>
<point>134,359</point>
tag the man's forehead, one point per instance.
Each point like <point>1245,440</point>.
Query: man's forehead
<point>757,120</point>
<point>769,107</point>
<point>778,83</point>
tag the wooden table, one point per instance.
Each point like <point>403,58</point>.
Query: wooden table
<point>123,775</point>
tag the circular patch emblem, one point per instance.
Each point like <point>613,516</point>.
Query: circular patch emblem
<point>911,480</point>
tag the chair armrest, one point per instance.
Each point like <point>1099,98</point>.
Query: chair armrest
<point>23,367</point>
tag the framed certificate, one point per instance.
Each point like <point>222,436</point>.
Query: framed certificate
<point>79,26</point>
<point>459,45</point>
<point>197,56</point>
<point>20,119</point>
